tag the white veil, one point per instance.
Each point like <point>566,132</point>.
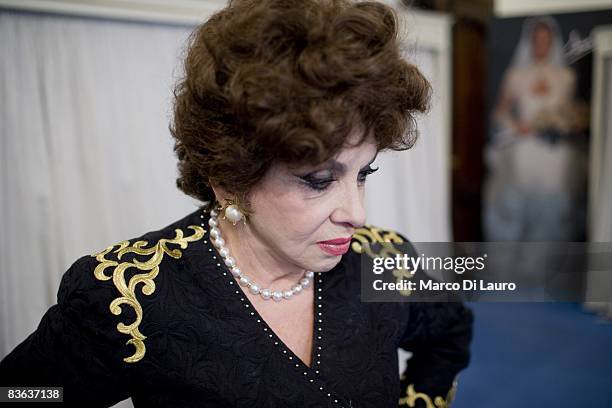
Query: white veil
<point>523,55</point>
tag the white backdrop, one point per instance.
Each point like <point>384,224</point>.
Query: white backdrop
<point>87,158</point>
<point>411,191</point>
<point>86,153</point>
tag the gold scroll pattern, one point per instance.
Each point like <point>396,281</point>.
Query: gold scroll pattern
<point>412,397</point>
<point>370,234</point>
<point>150,267</point>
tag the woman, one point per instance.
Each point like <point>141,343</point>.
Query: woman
<point>253,300</point>
<point>537,157</point>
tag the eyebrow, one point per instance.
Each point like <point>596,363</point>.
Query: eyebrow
<point>335,165</point>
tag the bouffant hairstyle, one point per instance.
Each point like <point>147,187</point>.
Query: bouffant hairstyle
<point>270,81</point>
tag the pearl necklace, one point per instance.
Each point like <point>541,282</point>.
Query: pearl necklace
<point>243,280</point>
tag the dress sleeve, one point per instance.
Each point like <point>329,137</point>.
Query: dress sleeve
<point>439,336</point>
<point>74,345</point>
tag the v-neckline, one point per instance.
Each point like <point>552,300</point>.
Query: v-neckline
<point>312,373</point>
<point>309,372</point>
<point>277,342</point>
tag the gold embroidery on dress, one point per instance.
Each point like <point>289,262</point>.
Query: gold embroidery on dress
<point>128,289</point>
<point>363,237</point>
<point>412,397</point>
<point>370,235</point>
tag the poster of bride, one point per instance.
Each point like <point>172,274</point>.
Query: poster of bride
<point>537,150</point>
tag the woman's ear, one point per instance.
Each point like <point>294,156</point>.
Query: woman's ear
<point>221,195</point>
<point>224,197</point>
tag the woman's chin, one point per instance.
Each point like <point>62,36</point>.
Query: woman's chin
<point>326,264</point>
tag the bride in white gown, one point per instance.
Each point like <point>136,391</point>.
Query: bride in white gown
<point>537,181</point>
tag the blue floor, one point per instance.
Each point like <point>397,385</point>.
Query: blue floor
<point>537,355</point>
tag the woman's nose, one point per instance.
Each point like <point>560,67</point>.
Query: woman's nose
<point>350,208</point>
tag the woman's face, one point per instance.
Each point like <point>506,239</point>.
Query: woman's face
<point>542,41</point>
<point>296,212</point>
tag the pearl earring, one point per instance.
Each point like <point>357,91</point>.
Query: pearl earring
<point>233,213</point>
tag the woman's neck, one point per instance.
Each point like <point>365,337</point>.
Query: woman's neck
<point>255,259</point>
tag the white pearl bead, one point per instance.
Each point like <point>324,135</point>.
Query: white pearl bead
<point>236,271</point>
<point>277,296</point>
<point>219,243</point>
<point>287,294</point>
<point>233,214</point>
<point>224,252</point>
<point>215,233</point>
<point>254,289</point>
<point>244,280</point>
<point>213,222</point>
<point>309,274</point>
<point>229,261</point>
<point>305,282</point>
<point>297,289</point>
<point>266,294</point>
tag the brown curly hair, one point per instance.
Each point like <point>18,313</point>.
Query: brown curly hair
<point>286,81</point>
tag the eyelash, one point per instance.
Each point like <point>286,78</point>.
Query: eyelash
<point>322,184</point>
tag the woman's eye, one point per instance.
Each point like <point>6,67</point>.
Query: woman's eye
<point>363,174</point>
<point>320,185</point>
<point>317,183</point>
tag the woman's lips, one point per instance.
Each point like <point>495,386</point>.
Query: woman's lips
<point>338,246</point>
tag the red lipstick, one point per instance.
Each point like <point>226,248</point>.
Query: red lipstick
<point>335,247</point>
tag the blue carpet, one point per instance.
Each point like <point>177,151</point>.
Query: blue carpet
<point>537,355</point>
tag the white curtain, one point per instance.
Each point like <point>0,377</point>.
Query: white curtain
<point>86,153</point>
<point>411,191</point>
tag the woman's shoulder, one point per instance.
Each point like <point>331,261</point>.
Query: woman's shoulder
<point>369,234</point>
<point>112,288</point>
<point>371,242</point>
<point>143,252</point>
<point>371,239</point>
<point>180,232</point>
<point>168,241</point>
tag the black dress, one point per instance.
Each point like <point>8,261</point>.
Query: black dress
<point>161,320</point>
